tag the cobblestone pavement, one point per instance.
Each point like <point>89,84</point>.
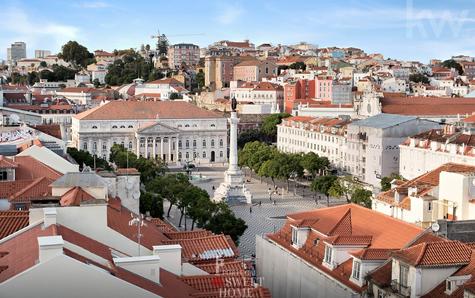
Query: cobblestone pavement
<point>263,219</point>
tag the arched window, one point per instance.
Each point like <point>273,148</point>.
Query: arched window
<point>179,144</point>
<point>221,143</point>
<point>84,146</point>
<point>94,146</point>
<point>179,125</point>
<point>194,143</point>
<point>94,127</point>
<point>122,126</point>
<point>179,156</point>
<point>187,143</point>
<point>213,125</point>
<point>114,126</point>
<point>130,145</point>
<point>187,125</point>
<point>212,142</point>
<point>204,143</point>
<point>220,153</point>
<point>131,126</point>
<point>187,155</point>
<point>204,154</point>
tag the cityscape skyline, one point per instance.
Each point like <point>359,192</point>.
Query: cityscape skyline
<point>409,30</point>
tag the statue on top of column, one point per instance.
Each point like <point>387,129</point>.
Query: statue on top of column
<point>233,104</point>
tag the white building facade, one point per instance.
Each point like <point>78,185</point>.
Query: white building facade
<point>174,131</point>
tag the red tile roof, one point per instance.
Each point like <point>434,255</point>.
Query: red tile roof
<point>118,218</point>
<point>215,282</point>
<point>442,253</point>
<point>12,221</point>
<point>373,254</point>
<point>123,110</point>
<point>75,196</point>
<point>37,190</point>
<point>167,81</point>
<point>7,163</point>
<point>30,168</point>
<point>162,225</point>
<point>188,234</point>
<point>428,106</point>
<point>50,129</point>
<point>205,248</point>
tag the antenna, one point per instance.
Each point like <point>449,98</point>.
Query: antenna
<point>139,222</point>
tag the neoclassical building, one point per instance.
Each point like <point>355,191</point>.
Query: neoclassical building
<point>175,131</point>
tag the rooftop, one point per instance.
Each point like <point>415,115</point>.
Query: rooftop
<point>383,121</point>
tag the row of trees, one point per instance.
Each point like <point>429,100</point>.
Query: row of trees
<point>266,161</point>
<point>57,73</point>
<point>267,132</point>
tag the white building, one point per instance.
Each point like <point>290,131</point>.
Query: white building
<point>394,85</point>
<point>329,252</point>
<point>444,193</point>
<point>267,95</point>
<point>373,144</point>
<point>175,131</point>
<point>42,53</point>
<point>323,109</point>
<point>160,88</point>
<point>428,150</point>
<point>323,136</point>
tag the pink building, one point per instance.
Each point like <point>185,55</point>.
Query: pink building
<point>323,88</point>
<point>254,70</point>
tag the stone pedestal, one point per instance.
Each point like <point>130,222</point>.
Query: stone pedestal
<point>233,190</point>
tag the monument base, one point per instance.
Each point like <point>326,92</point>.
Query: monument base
<point>232,194</point>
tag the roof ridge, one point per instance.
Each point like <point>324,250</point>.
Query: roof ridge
<point>29,186</point>
<point>422,253</point>
<point>341,221</point>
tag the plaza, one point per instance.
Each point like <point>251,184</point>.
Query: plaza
<point>264,217</point>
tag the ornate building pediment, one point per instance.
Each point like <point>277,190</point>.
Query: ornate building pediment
<point>158,128</point>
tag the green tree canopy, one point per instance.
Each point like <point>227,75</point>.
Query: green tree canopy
<point>298,65</point>
<point>76,54</point>
<point>386,181</point>
<point>224,221</point>
<point>323,184</point>
<point>451,63</point>
<point>269,125</point>
<point>314,163</point>
<point>85,158</point>
<point>362,197</point>
<point>419,78</point>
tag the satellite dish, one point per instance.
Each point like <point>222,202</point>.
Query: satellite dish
<point>136,195</point>
<point>435,227</point>
<point>129,185</point>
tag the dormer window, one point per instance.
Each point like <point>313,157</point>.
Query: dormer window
<point>356,270</point>
<point>294,236</point>
<point>114,126</point>
<point>328,254</point>
<point>449,286</point>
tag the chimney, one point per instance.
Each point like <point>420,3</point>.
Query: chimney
<point>145,266</point>
<point>170,256</point>
<point>49,216</point>
<point>50,247</point>
<point>397,197</point>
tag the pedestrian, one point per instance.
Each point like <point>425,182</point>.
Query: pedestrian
<point>250,209</point>
<point>260,203</point>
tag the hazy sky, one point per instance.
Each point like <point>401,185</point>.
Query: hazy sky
<point>412,29</point>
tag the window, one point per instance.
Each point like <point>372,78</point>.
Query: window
<point>204,143</point>
<point>84,146</point>
<point>94,146</point>
<point>194,143</point>
<point>179,144</point>
<point>104,146</point>
<point>403,274</point>
<point>187,155</point>
<point>448,286</point>
<point>114,126</point>
<point>130,126</point>
<point>186,125</point>
<point>213,125</point>
<point>94,127</point>
<point>221,143</point>
<point>3,175</point>
<point>294,235</point>
<point>328,254</point>
<point>220,153</point>
<point>212,143</point>
<point>179,125</point>
<point>187,144</point>
<point>429,206</point>
<point>179,156</point>
<point>204,154</point>
<point>130,145</point>
<point>122,126</point>
<point>356,270</point>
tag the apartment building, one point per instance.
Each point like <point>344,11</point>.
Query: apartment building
<point>183,53</point>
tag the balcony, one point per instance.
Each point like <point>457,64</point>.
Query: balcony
<point>401,290</point>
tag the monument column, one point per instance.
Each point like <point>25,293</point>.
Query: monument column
<point>233,152</point>
<point>154,148</point>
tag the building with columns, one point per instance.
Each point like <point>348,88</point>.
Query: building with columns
<point>174,131</point>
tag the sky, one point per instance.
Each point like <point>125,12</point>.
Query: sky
<point>408,29</point>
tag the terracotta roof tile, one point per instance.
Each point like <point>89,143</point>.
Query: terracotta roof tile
<point>75,196</point>
<point>428,106</point>
<point>215,282</point>
<point>7,163</point>
<point>37,190</point>
<point>123,110</point>
<point>205,248</point>
<point>30,168</point>
<point>442,253</point>
<point>188,234</point>
<point>12,221</point>
<point>373,254</point>
<point>162,225</point>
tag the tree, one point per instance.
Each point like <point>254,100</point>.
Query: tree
<point>249,136</point>
<point>76,54</point>
<point>175,95</point>
<point>168,187</point>
<point>269,125</point>
<point>314,163</point>
<point>130,66</point>
<point>386,181</point>
<point>43,64</point>
<point>362,197</point>
<point>323,185</point>
<point>201,209</point>
<point>224,221</point>
<point>96,83</point>
<point>451,63</point>
<point>152,203</point>
<point>270,169</point>
<point>298,65</point>
<point>200,79</point>
<point>59,74</point>
<point>85,158</point>
<point>419,78</point>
